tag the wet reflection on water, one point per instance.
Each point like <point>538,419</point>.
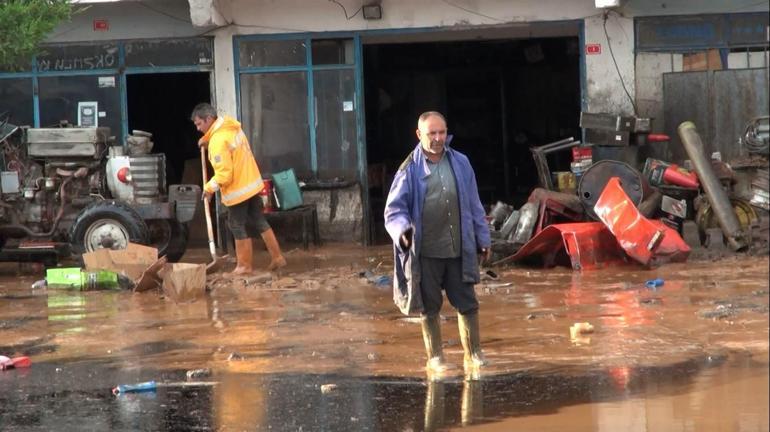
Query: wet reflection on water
<point>679,397</point>
<point>659,359</point>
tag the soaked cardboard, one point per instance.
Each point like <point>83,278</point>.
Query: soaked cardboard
<point>131,261</point>
<point>184,282</point>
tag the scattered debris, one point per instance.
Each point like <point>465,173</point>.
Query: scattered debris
<point>258,278</point>
<point>381,280</point>
<point>198,373</point>
<point>75,278</point>
<point>131,261</point>
<point>150,279</point>
<point>184,282</point>
<point>649,242</point>
<point>654,283</point>
<point>14,362</point>
<point>719,312</point>
<point>731,308</point>
<point>149,386</point>
<point>487,275</point>
<point>650,301</point>
<point>549,315</point>
<point>580,328</point>
<point>328,388</point>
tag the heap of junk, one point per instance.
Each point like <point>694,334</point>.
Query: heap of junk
<point>604,211</point>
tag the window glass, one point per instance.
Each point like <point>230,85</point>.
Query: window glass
<point>59,98</point>
<point>271,53</point>
<point>16,101</point>
<point>275,118</point>
<point>78,57</point>
<point>336,133</point>
<point>332,51</point>
<point>181,52</point>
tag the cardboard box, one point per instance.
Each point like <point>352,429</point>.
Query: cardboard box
<point>131,261</point>
<point>184,282</point>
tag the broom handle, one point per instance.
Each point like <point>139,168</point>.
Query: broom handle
<point>209,226</point>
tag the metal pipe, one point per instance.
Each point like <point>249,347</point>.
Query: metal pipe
<point>717,196</point>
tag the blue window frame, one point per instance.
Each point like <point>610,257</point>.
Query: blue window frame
<point>64,74</point>
<point>299,98</point>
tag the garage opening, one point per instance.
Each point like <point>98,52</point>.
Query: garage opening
<point>161,104</point>
<point>500,97</point>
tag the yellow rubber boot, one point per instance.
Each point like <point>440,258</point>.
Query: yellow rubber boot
<point>468,325</point>
<point>431,334</point>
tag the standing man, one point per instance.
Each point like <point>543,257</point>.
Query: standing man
<point>237,176</point>
<point>434,216</point>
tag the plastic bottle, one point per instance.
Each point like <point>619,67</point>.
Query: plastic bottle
<point>654,283</point>
<point>78,279</point>
<point>148,386</point>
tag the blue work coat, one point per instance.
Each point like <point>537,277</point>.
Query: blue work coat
<point>403,210</point>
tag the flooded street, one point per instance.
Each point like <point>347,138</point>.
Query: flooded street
<point>320,347</point>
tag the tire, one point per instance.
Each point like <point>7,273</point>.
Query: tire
<point>107,224</point>
<point>169,236</point>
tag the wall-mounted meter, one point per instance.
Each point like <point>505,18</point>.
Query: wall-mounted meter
<point>88,114</point>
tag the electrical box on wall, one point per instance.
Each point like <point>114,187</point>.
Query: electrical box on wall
<point>603,4</point>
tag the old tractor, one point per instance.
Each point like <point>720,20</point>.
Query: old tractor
<point>68,190</point>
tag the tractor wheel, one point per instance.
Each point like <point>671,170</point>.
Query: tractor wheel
<point>107,225</point>
<point>169,236</point>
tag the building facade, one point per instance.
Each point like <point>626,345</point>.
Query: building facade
<point>332,89</point>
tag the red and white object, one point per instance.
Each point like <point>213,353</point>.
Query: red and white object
<point>673,175</point>
<point>15,362</point>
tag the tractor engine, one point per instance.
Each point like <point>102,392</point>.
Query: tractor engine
<point>68,186</point>
<point>47,176</point>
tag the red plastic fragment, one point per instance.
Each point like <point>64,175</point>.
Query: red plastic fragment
<point>648,242</point>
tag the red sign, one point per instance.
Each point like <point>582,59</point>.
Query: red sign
<point>593,48</point>
<point>101,25</point>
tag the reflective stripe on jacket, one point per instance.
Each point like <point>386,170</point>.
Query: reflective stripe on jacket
<point>236,172</point>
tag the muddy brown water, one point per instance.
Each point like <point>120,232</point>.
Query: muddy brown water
<point>318,347</point>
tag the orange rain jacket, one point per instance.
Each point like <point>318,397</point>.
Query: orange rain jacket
<point>236,172</point>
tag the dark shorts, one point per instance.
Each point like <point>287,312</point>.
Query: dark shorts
<point>446,273</point>
<point>246,219</point>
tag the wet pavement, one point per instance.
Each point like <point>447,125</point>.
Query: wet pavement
<point>319,347</point>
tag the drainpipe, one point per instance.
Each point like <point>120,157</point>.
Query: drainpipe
<point>716,195</point>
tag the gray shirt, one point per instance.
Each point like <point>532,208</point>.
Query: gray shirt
<point>441,213</point>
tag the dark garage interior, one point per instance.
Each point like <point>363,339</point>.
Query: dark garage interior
<point>500,97</point>
<point>161,104</point>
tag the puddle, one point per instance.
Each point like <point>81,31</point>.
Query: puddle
<point>657,360</point>
<point>78,397</point>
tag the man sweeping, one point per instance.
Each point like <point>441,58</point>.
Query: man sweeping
<point>237,178</point>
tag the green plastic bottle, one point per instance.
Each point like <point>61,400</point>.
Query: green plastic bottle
<point>77,279</point>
